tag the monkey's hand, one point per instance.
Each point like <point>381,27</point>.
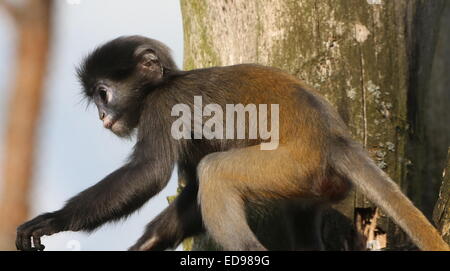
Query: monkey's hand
<point>29,234</point>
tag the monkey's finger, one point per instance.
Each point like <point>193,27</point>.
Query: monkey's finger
<point>25,242</point>
<point>37,241</point>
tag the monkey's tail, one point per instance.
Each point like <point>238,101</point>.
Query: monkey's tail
<point>354,163</point>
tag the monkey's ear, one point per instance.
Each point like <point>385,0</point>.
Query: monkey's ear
<point>149,62</point>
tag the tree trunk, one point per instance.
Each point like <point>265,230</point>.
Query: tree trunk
<point>429,100</point>
<point>440,102</point>
<point>358,54</point>
<point>32,21</point>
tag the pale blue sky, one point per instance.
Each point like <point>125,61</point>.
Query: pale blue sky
<point>74,150</point>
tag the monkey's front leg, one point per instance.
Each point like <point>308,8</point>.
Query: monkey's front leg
<point>117,195</point>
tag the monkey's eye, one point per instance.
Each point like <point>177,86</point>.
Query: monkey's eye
<point>102,92</point>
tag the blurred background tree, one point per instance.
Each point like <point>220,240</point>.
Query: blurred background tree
<point>32,21</point>
<point>71,149</point>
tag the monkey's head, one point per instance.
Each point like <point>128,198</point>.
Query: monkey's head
<point>119,74</point>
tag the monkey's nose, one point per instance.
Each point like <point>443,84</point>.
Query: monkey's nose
<point>108,123</point>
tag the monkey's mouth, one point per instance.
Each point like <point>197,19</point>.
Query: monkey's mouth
<point>108,122</point>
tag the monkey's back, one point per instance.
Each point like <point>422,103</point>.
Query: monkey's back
<point>256,84</point>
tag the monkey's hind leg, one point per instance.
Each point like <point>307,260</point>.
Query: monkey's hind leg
<point>229,179</point>
<point>181,219</point>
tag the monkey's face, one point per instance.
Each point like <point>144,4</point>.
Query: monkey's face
<point>119,96</point>
<point>119,99</point>
<point>117,76</point>
<point>118,105</point>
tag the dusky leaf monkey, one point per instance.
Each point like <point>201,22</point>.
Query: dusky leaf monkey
<point>134,83</point>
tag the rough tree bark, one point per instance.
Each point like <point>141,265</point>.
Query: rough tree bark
<point>32,21</point>
<point>361,55</point>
